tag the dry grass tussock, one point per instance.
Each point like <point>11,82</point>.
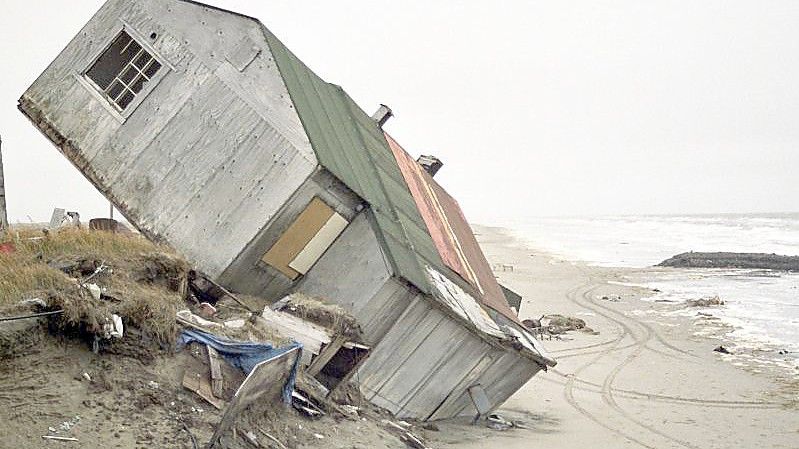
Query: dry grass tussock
<point>326,315</point>
<point>141,284</point>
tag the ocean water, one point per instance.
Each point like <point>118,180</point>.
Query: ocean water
<point>762,306</point>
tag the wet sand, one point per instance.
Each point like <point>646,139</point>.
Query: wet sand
<point>650,378</point>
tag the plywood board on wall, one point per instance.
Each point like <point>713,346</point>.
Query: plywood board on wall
<point>297,237</point>
<point>319,243</point>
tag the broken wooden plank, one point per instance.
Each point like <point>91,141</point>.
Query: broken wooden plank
<point>199,384</point>
<point>231,295</point>
<point>305,405</point>
<point>264,384</point>
<point>250,437</point>
<point>326,355</point>
<point>312,387</point>
<point>406,436</point>
<point>310,335</point>
<point>480,401</point>
<point>216,372</point>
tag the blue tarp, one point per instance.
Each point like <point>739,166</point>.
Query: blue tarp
<point>244,355</point>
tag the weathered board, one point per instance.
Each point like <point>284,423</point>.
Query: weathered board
<point>264,385</point>
<point>365,288</point>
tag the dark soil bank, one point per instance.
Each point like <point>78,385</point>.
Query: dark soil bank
<point>733,260</point>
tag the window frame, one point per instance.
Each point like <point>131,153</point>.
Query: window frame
<point>99,93</point>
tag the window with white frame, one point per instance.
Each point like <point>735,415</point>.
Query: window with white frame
<point>123,70</point>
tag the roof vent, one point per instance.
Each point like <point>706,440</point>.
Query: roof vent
<point>431,164</point>
<point>382,115</point>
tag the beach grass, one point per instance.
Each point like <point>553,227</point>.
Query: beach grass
<point>141,281</point>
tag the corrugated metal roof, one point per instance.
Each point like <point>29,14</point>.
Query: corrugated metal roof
<point>453,237</point>
<point>445,241</point>
<point>350,145</point>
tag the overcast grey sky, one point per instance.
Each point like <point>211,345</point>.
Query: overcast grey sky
<point>536,108</point>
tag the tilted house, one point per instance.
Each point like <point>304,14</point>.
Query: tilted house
<point>208,134</point>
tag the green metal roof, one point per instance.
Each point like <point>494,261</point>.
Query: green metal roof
<point>353,148</point>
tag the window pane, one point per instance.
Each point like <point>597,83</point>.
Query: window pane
<point>131,51</point>
<point>137,84</point>
<point>115,90</point>
<point>127,77</point>
<point>125,100</point>
<point>109,64</point>
<point>142,60</point>
<point>153,69</point>
<point>124,39</point>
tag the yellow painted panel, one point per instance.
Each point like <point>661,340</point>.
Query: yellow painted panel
<point>297,236</point>
<point>319,244</point>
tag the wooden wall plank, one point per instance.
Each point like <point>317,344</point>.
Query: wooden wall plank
<point>442,382</point>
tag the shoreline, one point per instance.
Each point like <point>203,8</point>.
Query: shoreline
<point>716,323</point>
<point>650,378</point>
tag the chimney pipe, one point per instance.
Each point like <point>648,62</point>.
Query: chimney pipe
<point>431,164</point>
<point>382,115</point>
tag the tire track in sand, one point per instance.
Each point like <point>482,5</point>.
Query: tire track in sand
<point>640,395</point>
<point>568,390</point>
<point>641,343</point>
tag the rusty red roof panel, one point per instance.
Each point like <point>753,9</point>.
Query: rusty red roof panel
<point>429,209</point>
<point>451,233</point>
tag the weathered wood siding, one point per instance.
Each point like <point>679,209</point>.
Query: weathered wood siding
<point>214,150</point>
<point>249,274</point>
<point>355,274</point>
<point>500,374</point>
<point>424,364</point>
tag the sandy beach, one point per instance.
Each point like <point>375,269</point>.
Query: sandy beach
<point>649,377</point>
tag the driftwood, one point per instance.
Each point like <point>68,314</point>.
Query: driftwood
<point>275,440</point>
<point>35,315</point>
<point>406,436</point>
<point>216,372</point>
<point>199,384</point>
<point>51,437</point>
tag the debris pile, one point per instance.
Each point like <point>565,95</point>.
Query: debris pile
<point>709,301</point>
<point>555,325</point>
<point>722,350</point>
<point>123,343</point>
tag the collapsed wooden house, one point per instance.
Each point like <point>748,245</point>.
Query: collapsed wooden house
<point>208,134</point>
